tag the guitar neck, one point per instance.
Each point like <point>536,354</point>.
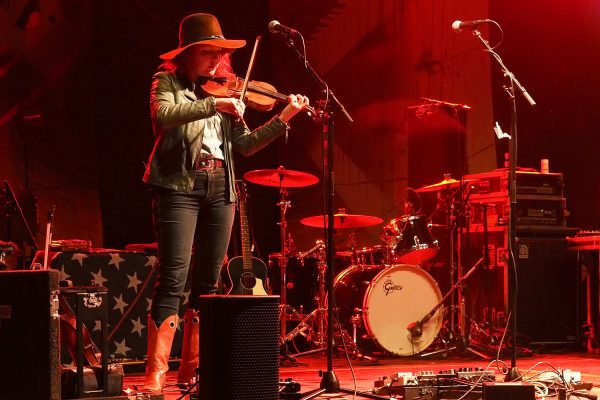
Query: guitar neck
<point>245,235</point>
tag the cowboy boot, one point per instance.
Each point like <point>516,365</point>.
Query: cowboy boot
<point>190,348</point>
<point>159,349</point>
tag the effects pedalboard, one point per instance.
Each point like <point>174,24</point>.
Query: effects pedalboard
<point>448,384</point>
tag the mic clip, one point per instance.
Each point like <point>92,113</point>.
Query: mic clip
<point>415,329</point>
<point>500,133</point>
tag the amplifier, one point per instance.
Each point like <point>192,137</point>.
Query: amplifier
<point>29,346</point>
<point>531,210</point>
<point>528,183</point>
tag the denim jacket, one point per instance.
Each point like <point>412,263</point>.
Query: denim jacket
<point>178,123</point>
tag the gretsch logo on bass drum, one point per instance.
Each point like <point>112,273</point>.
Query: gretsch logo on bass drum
<point>389,286</point>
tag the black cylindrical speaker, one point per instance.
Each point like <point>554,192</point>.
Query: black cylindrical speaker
<point>239,347</point>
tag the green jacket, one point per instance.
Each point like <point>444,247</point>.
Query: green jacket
<point>178,123</point>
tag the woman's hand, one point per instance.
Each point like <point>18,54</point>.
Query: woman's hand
<point>231,106</point>
<point>296,103</point>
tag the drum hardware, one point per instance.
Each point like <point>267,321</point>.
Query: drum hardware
<point>282,179</point>
<point>313,326</point>
<point>455,201</point>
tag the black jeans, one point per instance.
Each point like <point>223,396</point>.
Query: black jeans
<point>201,220</point>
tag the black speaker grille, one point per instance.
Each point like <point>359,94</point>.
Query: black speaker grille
<point>29,349</point>
<point>239,347</point>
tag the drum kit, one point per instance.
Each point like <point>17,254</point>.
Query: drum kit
<point>380,291</point>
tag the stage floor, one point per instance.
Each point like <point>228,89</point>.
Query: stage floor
<point>306,370</point>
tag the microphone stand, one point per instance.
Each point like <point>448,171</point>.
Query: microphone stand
<point>513,373</point>
<point>17,207</point>
<point>329,381</point>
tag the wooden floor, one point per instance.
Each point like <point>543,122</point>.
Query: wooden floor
<point>360,375</point>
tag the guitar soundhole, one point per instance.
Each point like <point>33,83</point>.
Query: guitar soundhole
<point>248,280</point>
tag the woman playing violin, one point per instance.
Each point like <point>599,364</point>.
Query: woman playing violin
<point>191,173</point>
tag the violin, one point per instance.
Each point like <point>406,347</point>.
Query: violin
<point>68,336</point>
<point>260,96</point>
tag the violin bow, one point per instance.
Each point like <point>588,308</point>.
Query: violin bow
<point>249,70</point>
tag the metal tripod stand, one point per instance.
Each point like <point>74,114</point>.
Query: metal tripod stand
<point>314,326</point>
<point>458,335</point>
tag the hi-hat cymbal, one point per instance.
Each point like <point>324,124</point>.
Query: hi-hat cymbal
<point>443,185</point>
<point>280,177</point>
<point>342,221</point>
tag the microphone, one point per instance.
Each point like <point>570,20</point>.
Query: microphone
<point>459,25</point>
<point>415,329</point>
<point>276,27</point>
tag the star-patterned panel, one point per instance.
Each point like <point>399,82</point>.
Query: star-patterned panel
<point>124,275</point>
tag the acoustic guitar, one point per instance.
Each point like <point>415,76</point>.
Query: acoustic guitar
<point>247,274</point>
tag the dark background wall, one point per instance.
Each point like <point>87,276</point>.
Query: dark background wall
<point>554,50</point>
<point>87,67</point>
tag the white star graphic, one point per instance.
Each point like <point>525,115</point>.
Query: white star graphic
<point>115,259</point>
<point>137,326</point>
<point>79,257</point>
<point>98,279</point>
<point>122,348</point>
<point>149,300</point>
<point>97,326</point>
<point>134,282</point>
<point>120,304</point>
<point>151,261</point>
<point>63,276</point>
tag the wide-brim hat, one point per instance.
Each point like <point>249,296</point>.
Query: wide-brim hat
<point>201,29</point>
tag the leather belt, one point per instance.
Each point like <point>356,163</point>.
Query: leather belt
<point>210,164</point>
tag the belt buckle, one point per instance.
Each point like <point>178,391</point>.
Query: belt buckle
<point>210,164</point>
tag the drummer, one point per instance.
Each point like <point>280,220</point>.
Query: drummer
<point>191,174</point>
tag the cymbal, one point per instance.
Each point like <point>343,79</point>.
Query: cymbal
<point>445,184</point>
<point>280,177</point>
<point>342,221</point>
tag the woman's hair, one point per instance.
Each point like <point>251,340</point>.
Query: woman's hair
<point>224,69</point>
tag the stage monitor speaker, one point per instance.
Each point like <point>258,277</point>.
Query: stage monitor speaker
<point>29,345</point>
<point>239,348</point>
<point>548,311</point>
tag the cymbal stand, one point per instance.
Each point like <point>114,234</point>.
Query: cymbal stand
<point>457,338</point>
<point>317,316</point>
<point>283,260</point>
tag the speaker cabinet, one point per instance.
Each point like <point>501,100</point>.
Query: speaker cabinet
<point>239,347</point>
<point>29,346</point>
<point>548,309</point>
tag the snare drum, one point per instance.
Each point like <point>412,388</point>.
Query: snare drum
<point>409,239</point>
<point>377,303</point>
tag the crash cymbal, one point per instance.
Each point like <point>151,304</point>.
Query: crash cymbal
<point>443,185</point>
<point>280,177</point>
<point>342,221</point>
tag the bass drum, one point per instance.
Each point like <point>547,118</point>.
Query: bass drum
<point>390,298</point>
